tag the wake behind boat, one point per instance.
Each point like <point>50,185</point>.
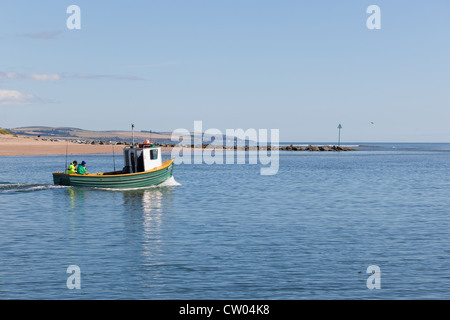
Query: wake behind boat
<point>143,168</point>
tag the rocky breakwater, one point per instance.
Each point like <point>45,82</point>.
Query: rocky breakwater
<point>99,142</point>
<point>257,148</point>
<point>229,148</point>
<point>315,148</point>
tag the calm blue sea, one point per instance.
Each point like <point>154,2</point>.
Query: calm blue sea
<point>227,232</point>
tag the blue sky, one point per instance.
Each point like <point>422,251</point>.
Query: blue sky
<point>299,66</point>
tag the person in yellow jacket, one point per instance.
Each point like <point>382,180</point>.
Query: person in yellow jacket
<point>72,168</point>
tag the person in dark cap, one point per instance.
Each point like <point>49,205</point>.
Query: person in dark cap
<point>82,168</point>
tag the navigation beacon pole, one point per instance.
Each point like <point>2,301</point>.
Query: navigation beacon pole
<point>339,139</point>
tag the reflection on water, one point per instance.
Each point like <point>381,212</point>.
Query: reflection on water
<point>76,206</point>
<point>76,198</point>
<point>144,216</point>
<point>140,212</point>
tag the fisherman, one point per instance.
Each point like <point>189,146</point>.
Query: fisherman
<point>82,168</point>
<point>72,168</point>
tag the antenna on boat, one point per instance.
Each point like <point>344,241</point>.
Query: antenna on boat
<point>114,159</point>
<point>67,149</point>
<point>132,132</point>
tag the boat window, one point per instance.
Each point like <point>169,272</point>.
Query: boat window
<point>154,154</point>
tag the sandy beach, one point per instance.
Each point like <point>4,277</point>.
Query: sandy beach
<point>28,146</point>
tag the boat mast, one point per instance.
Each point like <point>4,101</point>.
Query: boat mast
<point>132,133</point>
<point>114,159</point>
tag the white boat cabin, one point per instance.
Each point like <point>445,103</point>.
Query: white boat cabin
<point>144,158</point>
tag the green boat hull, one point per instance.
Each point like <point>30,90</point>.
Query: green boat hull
<point>115,180</point>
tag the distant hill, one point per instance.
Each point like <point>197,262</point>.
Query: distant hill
<point>114,135</point>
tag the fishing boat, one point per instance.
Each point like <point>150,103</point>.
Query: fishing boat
<point>143,168</point>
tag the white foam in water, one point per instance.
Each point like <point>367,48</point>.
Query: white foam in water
<point>45,187</point>
<point>21,187</point>
<point>168,183</point>
<point>13,187</point>
<point>10,185</point>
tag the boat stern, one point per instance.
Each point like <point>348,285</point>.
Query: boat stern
<point>61,179</point>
